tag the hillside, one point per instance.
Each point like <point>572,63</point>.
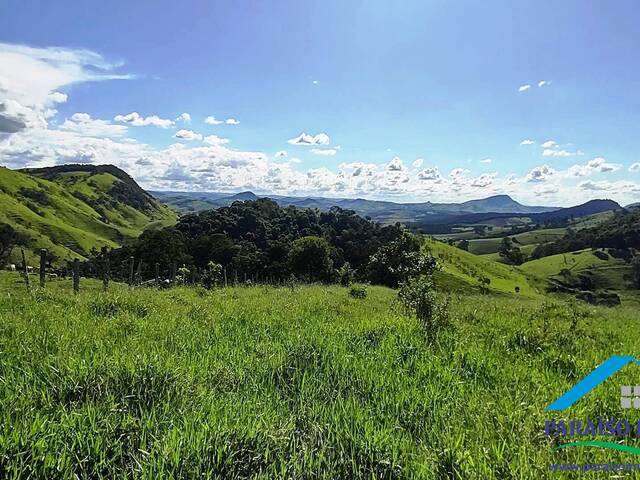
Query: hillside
<point>462,271</point>
<point>71,209</point>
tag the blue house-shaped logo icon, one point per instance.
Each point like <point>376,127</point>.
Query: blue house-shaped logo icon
<point>591,381</point>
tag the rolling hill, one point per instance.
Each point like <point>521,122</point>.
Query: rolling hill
<point>382,211</point>
<point>71,209</point>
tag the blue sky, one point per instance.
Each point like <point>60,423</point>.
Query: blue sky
<point>410,100</point>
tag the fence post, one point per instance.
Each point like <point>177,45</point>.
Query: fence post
<point>157,274</point>
<point>76,275</point>
<point>25,269</point>
<point>174,269</point>
<point>131,262</point>
<point>224,269</point>
<point>105,269</point>
<point>138,277</point>
<point>43,266</point>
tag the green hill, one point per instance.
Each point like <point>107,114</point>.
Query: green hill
<point>73,208</point>
<point>462,270</point>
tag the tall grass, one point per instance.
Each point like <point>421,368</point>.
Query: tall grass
<point>303,382</point>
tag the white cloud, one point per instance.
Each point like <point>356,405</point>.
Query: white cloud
<point>484,180</point>
<point>527,142</point>
<point>281,154</point>
<point>306,139</point>
<point>417,163</point>
<point>597,165</point>
<point>430,174</point>
<point>232,121</point>
<point>540,174</point>
<point>184,117</point>
<point>83,124</point>
<point>212,121</point>
<point>324,151</point>
<point>549,144</point>
<point>550,152</point>
<point>635,167</point>
<point>395,165</point>
<point>524,88</point>
<point>214,140</point>
<point>543,83</point>
<point>31,80</point>
<point>188,135</point>
<point>137,120</point>
<point>486,160</point>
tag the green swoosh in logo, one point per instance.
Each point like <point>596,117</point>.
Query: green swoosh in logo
<point>609,445</point>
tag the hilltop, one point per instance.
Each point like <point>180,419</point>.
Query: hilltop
<point>71,209</point>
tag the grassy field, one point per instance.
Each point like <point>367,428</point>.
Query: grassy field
<point>462,270</point>
<point>303,382</point>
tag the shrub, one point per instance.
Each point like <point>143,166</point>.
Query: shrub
<point>358,291</point>
<point>418,298</point>
<point>345,275</point>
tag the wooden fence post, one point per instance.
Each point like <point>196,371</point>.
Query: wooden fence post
<point>157,274</point>
<point>224,269</point>
<point>131,263</point>
<point>25,269</point>
<point>174,269</point>
<point>138,277</point>
<point>43,266</point>
<point>105,269</point>
<point>76,275</point>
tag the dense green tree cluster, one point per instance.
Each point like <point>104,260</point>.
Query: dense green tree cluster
<point>260,239</point>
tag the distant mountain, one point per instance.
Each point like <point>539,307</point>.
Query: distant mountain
<point>382,211</point>
<point>633,205</point>
<point>71,209</point>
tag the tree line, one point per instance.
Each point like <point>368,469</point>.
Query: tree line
<point>260,239</point>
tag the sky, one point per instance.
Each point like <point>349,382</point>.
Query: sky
<point>411,100</point>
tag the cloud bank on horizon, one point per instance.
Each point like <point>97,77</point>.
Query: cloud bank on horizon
<point>169,148</point>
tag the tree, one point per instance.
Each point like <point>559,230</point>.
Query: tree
<point>510,252</point>
<point>9,238</point>
<point>310,258</point>
<point>399,260</point>
<point>463,245</point>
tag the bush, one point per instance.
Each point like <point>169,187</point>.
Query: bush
<point>345,275</point>
<point>418,298</point>
<point>358,291</point>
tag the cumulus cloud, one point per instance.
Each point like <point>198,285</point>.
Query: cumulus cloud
<point>484,180</point>
<point>214,140</point>
<point>417,163</point>
<point>549,144</point>
<point>137,120</point>
<point>212,121</point>
<point>526,141</point>
<point>430,174</point>
<point>83,124</point>
<point>31,80</point>
<point>486,160</point>
<point>395,165</point>
<point>188,135</point>
<point>306,139</point>
<point>184,117</point>
<point>540,174</point>
<point>232,121</point>
<point>597,165</point>
<point>524,88</point>
<point>635,167</point>
<point>543,83</point>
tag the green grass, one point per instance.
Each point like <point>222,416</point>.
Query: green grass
<point>461,271</point>
<point>268,382</point>
<point>612,274</point>
<point>62,222</point>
